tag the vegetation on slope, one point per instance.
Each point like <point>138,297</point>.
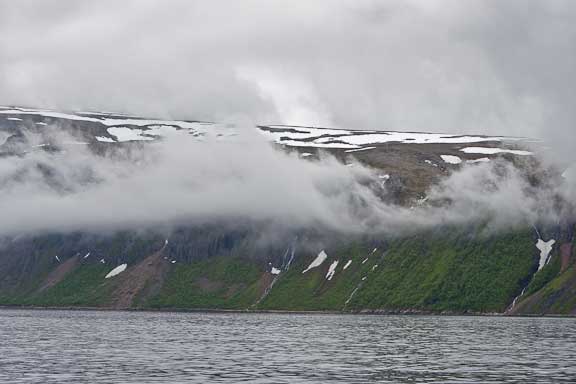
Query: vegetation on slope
<point>453,270</point>
<point>220,283</point>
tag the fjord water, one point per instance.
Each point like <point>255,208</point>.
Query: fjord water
<point>43,346</point>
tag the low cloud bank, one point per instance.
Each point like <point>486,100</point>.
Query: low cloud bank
<point>179,181</point>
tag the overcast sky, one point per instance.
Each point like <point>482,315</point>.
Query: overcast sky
<point>491,66</point>
<point>504,67</point>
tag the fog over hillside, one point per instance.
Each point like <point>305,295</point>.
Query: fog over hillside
<point>56,182</point>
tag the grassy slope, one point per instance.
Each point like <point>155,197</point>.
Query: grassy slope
<point>223,283</point>
<point>84,286</point>
<point>312,291</point>
<point>426,273</point>
<point>452,272</point>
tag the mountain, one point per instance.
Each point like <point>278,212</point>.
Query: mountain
<point>423,239</point>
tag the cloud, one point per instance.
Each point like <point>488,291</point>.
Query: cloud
<point>181,181</point>
<point>176,180</point>
<point>479,66</point>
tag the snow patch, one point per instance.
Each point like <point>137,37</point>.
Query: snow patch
<point>347,265</point>
<point>57,258</point>
<point>105,139</point>
<point>545,247</point>
<point>116,271</point>
<point>451,159</point>
<point>332,270</point>
<point>128,134</point>
<point>494,151</point>
<point>45,113</point>
<point>322,256</point>
<point>376,137</point>
<point>275,271</point>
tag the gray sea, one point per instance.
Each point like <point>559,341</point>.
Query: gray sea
<point>45,346</point>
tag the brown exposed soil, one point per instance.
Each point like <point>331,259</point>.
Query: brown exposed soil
<point>208,285</point>
<point>58,274</point>
<point>233,289</point>
<point>141,280</point>
<point>264,282</point>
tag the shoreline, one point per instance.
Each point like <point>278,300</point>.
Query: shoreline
<point>285,312</point>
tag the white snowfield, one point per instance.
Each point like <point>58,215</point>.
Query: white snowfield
<point>275,271</point>
<point>494,151</point>
<point>128,134</point>
<point>103,118</point>
<point>116,271</point>
<point>450,159</point>
<point>322,256</point>
<point>344,138</point>
<point>105,139</point>
<point>545,248</point>
<point>331,270</point>
<point>122,128</point>
<point>347,265</point>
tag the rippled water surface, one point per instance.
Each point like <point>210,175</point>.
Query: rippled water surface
<point>140,347</point>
